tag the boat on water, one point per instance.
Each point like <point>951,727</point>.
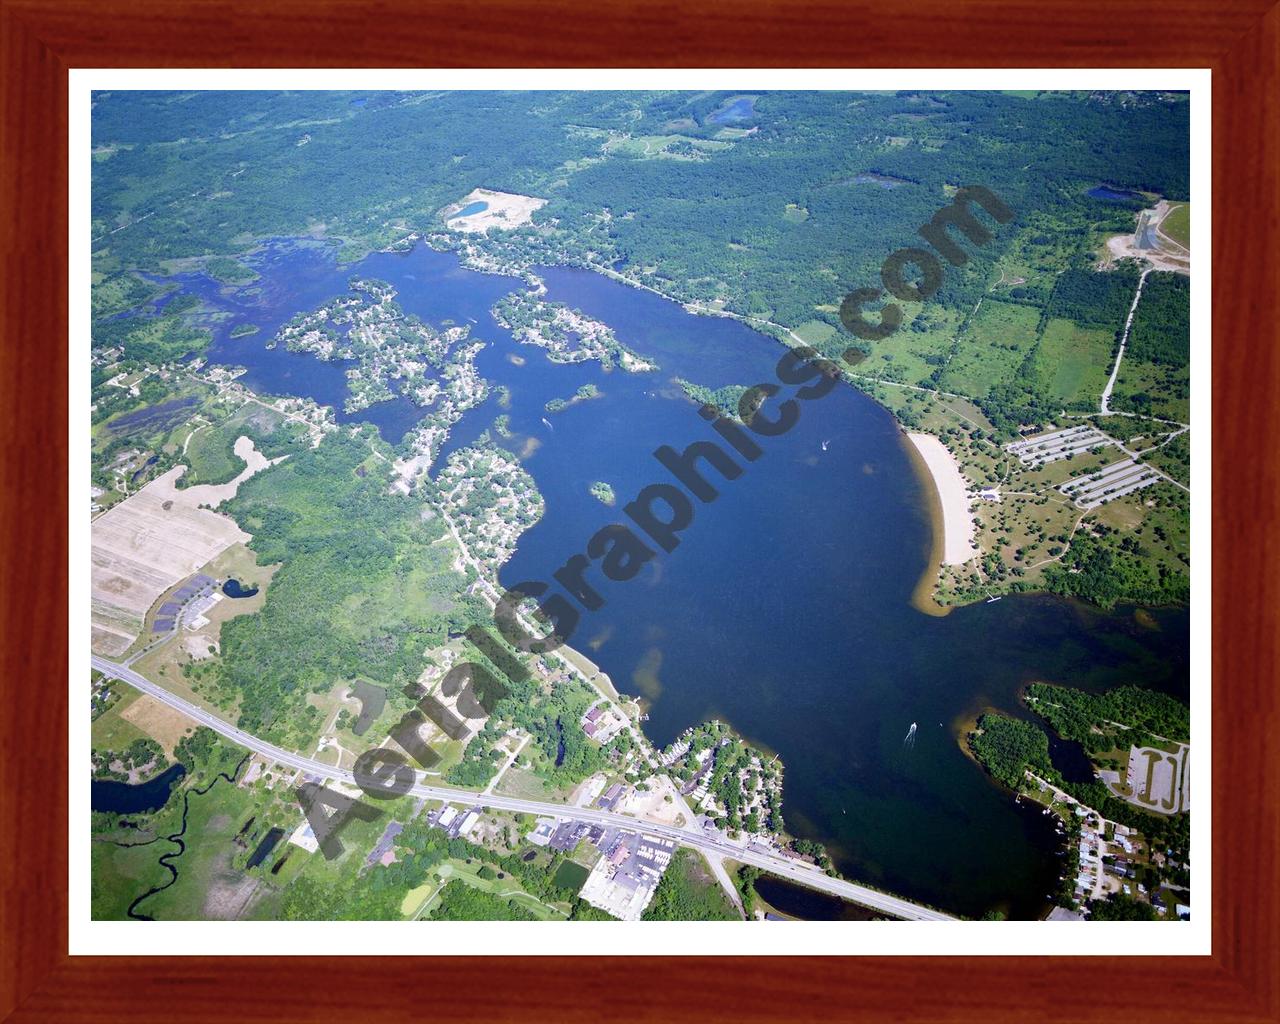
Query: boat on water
<point>825,445</point>
<point>548,423</point>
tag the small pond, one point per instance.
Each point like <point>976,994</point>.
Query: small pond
<point>234,588</point>
<point>140,798</point>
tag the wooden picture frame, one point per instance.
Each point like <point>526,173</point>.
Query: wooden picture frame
<point>42,39</point>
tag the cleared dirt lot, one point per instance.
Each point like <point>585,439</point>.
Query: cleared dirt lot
<point>159,721</point>
<point>503,210</point>
<point>153,539</point>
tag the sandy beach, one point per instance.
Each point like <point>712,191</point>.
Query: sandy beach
<point>957,519</point>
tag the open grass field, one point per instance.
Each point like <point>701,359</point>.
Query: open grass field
<point>121,874</point>
<point>815,332</point>
<point>990,352</point>
<point>1073,362</point>
<point>211,885</point>
<point>111,730</point>
<point>1177,225</point>
<point>911,355</point>
<point>647,147</point>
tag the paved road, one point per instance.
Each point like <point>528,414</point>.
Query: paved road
<point>799,872</point>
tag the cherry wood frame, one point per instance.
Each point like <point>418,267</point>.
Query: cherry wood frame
<point>41,39</point>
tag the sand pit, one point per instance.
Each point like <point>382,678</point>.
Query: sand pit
<point>957,519</point>
<point>503,210</point>
<point>153,539</point>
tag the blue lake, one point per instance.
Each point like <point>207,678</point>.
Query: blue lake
<point>786,610</point>
<point>123,798</point>
<point>1113,195</point>
<point>472,208</point>
<point>741,109</point>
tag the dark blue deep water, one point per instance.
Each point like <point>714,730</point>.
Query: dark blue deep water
<point>786,609</point>
<point>142,798</point>
<point>1112,195</point>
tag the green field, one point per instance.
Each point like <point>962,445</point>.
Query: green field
<point>497,894</point>
<point>1072,362</point>
<point>689,892</point>
<point>1153,390</point>
<point>121,874</point>
<point>990,352</point>
<point>815,332</point>
<point>211,451</point>
<point>570,875</point>
<point>1177,225</point>
<point>110,730</point>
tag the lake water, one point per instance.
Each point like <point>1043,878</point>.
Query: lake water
<point>123,798</point>
<point>741,109</point>
<point>472,208</point>
<point>1112,195</point>
<point>786,609</point>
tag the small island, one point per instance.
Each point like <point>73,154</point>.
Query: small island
<point>583,394</point>
<point>604,493</point>
<point>244,330</point>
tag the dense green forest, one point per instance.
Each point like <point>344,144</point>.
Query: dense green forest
<point>688,892</point>
<point>1090,718</point>
<point>1106,569</point>
<point>1008,746</point>
<point>362,591</point>
<point>1161,331</point>
<point>461,902</point>
<point>213,172</point>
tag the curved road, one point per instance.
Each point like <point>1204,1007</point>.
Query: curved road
<point>798,872</point>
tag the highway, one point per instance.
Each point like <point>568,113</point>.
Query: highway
<point>796,871</point>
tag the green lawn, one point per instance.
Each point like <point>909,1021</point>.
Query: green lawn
<point>1177,225</point>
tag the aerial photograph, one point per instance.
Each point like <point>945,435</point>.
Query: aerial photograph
<point>667,505</point>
